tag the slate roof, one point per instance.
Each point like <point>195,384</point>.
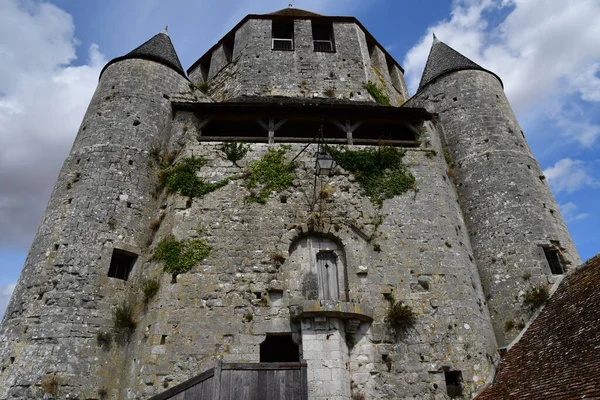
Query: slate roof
<point>159,49</point>
<point>442,60</point>
<point>294,12</point>
<point>558,356</point>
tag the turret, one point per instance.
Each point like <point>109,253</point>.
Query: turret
<point>83,261</point>
<point>519,238</point>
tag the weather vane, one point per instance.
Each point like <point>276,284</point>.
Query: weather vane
<point>290,3</point>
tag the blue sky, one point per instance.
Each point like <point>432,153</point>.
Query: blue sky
<point>545,51</point>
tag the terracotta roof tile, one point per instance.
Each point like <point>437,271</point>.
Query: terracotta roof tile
<point>558,357</point>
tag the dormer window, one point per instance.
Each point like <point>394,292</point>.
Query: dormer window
<point>283,35</point>
<point>323,36</point>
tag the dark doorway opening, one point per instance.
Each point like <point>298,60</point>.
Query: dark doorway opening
<point>279,348</point>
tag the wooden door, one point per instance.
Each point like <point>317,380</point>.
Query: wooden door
<point>328,275</point>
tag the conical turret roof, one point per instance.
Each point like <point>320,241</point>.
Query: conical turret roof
<point>442,60</point>
<point>159,49</point>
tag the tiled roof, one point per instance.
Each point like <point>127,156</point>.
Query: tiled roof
<point>444,59</point>
<point>294,12</point>
<point>558,356</point>
<point>159,48</point>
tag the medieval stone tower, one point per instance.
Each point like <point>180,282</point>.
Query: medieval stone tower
<point>190,229</point>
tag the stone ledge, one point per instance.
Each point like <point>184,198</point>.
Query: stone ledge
<point>331,308</point>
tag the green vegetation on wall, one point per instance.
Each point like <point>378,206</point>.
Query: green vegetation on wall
<point>378,170</point>
<point>377,94</point>
<point>400,317</point>
<point>235,151</point>
<point>150,288</point>
<point>536,296</point>
<point>123,317</point>
<point>182,178</point>
<point>272,173</point>
<point>179,256</point>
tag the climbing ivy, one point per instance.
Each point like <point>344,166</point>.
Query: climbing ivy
<point>182,178</point>
<point>377,94</point>
<point>179,256</point>
<point>272,173</point>
<point>378,170</point>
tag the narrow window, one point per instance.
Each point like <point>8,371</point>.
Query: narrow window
<point>453,383</point>
<point>279,348</point>
<point>323,36</point>
<point>121,264</point>
<point>283,35</point>
<point>554,261</point>
<point>328,277</point>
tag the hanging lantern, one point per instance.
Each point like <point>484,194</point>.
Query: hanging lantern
<point>325,164</point>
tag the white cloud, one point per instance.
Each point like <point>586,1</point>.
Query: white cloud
<point>570,212</point>
<point>545,51</point>
<point>5,293</point>
<point>42,102</point>
<point>569,175</point>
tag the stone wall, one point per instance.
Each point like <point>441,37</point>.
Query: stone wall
<point>256,70</point>
<point>509,209</point>
<point>244,289</point>
<point>101,201</point>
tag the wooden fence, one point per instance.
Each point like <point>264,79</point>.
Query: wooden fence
<point>244,381</point>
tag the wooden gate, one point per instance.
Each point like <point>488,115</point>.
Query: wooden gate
<point>244,381</point>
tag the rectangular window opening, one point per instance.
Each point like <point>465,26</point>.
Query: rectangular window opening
<point>283,35</point>
<point>121,264</point>
<point>228,43</point>
<point>453,383</point>
<point>554,261</point>
<point>323,36</point>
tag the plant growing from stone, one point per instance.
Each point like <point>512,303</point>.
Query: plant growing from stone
<point>182,178</point>
<point>179,256</point>
<point>103,393</point>
<point>50,384</point>
<point>378,170</point>
<point>509,325</point>
<point>278,258</point>
<point>235,151</point>
<point>104,339</point>
<point>270,174</point>
<point>377,94</point>
<point>123,317</point>
<point>536,296</point>
<point>150,288</point>
<point>400,317</point>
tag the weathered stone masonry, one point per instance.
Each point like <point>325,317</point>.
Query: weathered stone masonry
<point>455,247</point>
